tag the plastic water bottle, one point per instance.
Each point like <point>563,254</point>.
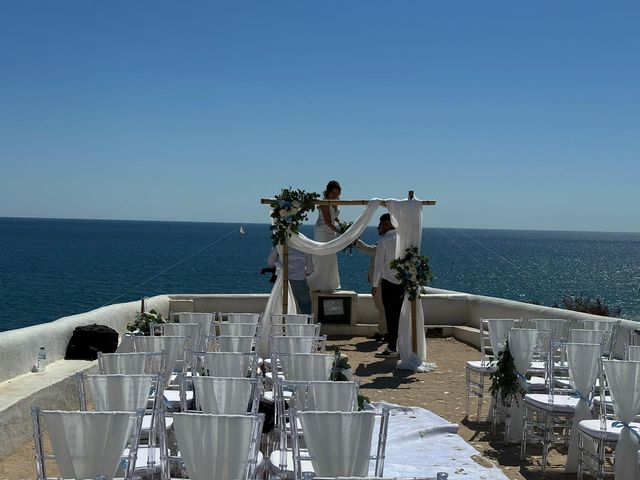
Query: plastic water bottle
<point>41,359</point>
<point>442,476</point>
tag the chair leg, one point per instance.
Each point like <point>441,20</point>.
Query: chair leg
<point>580,455</point>
<point>546,442</point>
<point>481,396</point>
<point>468,380</point>
<point>525,426</point>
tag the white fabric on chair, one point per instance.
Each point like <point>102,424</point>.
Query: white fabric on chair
<point>238,329</point>
<point>293,344</point>
<point>191,330</point>
<point>632,352</point>
<point>174,347</point>
<point>214,447</point>
<point>234,343</point>
<point>522,343</point>
<point>307,330</point>
<point>307,366</point>
<point>119,392</point>
<point>558,327</point>
<point>326,396</point>
<point>274,306</point>
<point>290,319</point>
<point>406,217</point>
<point>129,363</point>
<point>623,378</point>
<point>339,443</point>
<point>226,364</point>
<point>229,396</point>
<point>243,318</point>
<point>87,444</point>
<point>582,360</point>
<point>498,332</point>
<point>205,320</point>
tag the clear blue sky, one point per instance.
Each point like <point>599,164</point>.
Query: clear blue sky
<point>511,114</point>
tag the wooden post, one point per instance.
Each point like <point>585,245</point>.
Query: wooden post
<point>414,307</point>
<point>285,278</point>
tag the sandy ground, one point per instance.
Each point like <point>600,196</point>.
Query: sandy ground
<point>441,391</point>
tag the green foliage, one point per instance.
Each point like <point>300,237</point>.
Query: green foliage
<point>289,210</point>
<point>505,381</point>
<point>143,320</point>
<point>341,364</point>
<point>413,272</point>
<point>588,305</point>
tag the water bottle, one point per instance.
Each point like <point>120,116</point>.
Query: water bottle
<point>41,359</point>
<point>442,476</point>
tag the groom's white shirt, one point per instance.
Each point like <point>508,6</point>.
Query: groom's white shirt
<point>385,253</point>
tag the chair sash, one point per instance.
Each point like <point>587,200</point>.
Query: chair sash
<point>586,336</point>
<point>623,378</point>
<point>119,392</point>
<point>175,348</point>
<point>290,318</point>
<point>339,443</point>
<point>228,343</point>
<point>326,396</point>
<point>295,330</point>
<point>191,330</point>
<point>215,447</point>
<point>88,444</point>
<point>130,363</point>
<point>238,329</point>
<point>293,344</point>
<point>307,366</point>
<point>226,364</point>
<point>205,320</point>
<point>243,318</point>
<point>498,331</point>
<point>229,396</point>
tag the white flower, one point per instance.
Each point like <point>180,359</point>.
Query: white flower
<point>296,204</point>
<point>293,210</point>
<point>282,213</point>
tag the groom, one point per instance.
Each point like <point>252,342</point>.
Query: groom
<point>384,278</point>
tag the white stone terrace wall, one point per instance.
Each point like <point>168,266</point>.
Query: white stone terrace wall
<point>18,348</point>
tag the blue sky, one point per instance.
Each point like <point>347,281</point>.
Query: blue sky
<point>510,114</point>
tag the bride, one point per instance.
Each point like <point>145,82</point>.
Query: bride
<point>325,274</point>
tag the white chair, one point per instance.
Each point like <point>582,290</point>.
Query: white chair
<point>191,330</point>
<point>131,363</point>
<point>291,344</point>
<point>254,318</point>
<point>233,343</point>
<point>296,330</point>
<point>225,364</point>
<point>237,329</point>
<point>623,378</point>
<point>580,335</point>
<point>86,445</point>
<point>223,395</point>
<point>175,348</point>
<point>632,352</point>
<point>304,366</point>
<point>218,447</point>
<point>205,320</point>
<point>608,325</point>
<point>479,369</point>
<point>559,328</point>
<point>293,318</point>
<point>338,443</point>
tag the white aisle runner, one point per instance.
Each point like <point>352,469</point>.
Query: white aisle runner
<point>420,443</point>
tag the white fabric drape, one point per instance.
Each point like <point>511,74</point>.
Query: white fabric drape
<point>191,330</point>
<point>205,320</point>
<point>235,344</point>
<point>498,332</point>
<point>624,378</point>
<point>585,336</point>
<point>522,343</point>
<point>238,329</point>
<point>339,443</point>
<point>226,364</point>
<point>406,217</point>
<point>174,347</point>
<point>229,396</point>
<point>582,360</point>
<point>88,444</point>
<point>559,328</point>
<point>293,344</point>
<point>307,366</point>
<point>301,330</point>
<point>214,447</point>
<point>119,392</point>
<point>290,319</point>
<point>243,318</point>
<point>633,353</point>
<point>327,396</point>
<point>123,364</point>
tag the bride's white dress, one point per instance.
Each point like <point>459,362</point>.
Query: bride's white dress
<point>325,274</point>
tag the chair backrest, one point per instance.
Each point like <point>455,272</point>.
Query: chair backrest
<point>137,363</point>
<point>339,443</point>
<point>223,395</point>
<point>293,318</point>
<point>583,362</point>
<point>558,327</point>
<point>237,329</point>
<point>323,396</point>
<point>498,331</point>
<point>304,366</point>
<point>291,344</point>
<point>218,447</point>
<point>243,317</point>
<point>225,364</point>
<point>118,392</point>
<point>296,330</point>
<point>581,335</point>
<point>632,352</point>
<point>233,343</point>
<point>86,445</point>
<point>205,320</point>
<point>174,346</point>
<point>191,330</point>
<point>610,325</point>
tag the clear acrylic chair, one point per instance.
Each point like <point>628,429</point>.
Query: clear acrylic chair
<point>191,330</point>
<point>139,363</point>
<point>233,343</point>
<point>86,445</point>
<point>478,370</point>
<point>238,329</point>
<point>205,320</point>
<point>175,348</point>
<point>254,318</point>
<point>225,364</point>
<point>291,344</point>
<point>338,443</point>
<point>609,325</point>
<point>218,447</point>
<point>293,318</point>
<point>222,395</point>
<point>632,352</point>
<point>296,330</point>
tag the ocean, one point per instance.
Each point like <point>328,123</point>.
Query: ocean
<point>50,268</point>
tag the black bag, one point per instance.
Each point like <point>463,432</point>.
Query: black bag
<point>88,340</point>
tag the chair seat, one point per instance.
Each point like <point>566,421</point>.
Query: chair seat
<point>172,398</point>
<point>536,384</point>
<point>481,367</point>
<point>305,465</point>
<point>591,428</point>
<point>561,403</point>
<point>146,422</point>
<point>269,376</point>
<point>146,456</point>
<point>268,395</point>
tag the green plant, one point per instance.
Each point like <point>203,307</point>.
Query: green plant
<point>340,365</point>
<point>413,272</point>
<point>505,381</point>
<point>289,209</point>
<point>144,320</point>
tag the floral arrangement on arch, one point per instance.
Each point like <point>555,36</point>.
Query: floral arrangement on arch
<point>143,321</point>
<point>289,210</point>
<point>413,272</point>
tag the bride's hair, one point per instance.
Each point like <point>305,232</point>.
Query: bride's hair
<point>332,185</point>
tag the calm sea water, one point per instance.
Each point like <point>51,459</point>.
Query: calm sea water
<point>53,268</point>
